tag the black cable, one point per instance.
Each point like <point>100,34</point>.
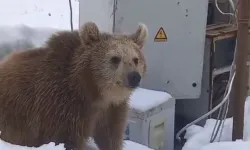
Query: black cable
<point>71,15</point>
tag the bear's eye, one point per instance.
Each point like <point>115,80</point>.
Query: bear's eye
<point>115,60</point>
<point>136,61</point>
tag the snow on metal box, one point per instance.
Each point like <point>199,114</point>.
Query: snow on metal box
<point>145,103</point>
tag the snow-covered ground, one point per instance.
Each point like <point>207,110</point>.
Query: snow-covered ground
<point>198,137</point>
<point>128,145</point>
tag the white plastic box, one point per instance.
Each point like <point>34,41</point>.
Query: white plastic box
<point>151,119</point>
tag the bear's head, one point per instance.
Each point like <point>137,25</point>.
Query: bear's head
<point>115,61</point>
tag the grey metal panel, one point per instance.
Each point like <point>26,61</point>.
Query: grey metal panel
<point>98,11</point>
<point>194,108</point>
<point>173,66</point>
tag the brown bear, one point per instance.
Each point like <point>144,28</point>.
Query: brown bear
<point>75,87</point>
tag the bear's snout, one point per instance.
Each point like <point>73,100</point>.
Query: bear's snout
<point>134,79</point>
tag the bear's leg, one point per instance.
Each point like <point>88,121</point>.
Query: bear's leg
<point>81,144</point>
<point>78,140</point>
<point>74,144</point>
<point>110,128</point>
<point>69,146</point>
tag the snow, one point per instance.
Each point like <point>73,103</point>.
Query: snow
<point>37,36</point>
<point>198,137</point>
<point>50,146</point>
<point>238,145</point>
<point>145,99</point>
<point>128,145</point>
<point>192,130</point>
<point>33,21</point>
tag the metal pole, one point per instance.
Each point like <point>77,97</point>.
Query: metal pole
<point>241,78</point>
<point>71,15</point>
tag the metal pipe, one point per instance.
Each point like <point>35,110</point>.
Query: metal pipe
<point>241,77</point>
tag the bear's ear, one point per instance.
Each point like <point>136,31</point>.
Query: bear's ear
<point>141,35</point>
<point>89,32</point>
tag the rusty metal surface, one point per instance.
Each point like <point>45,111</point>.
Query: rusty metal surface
<point>241,77</point>
<point>221,31</point>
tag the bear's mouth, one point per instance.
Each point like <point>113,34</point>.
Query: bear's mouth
<point>133,87</point>
<point>119,83</point>
<point>129,86</point>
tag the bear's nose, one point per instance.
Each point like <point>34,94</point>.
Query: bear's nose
<point>134,79</point>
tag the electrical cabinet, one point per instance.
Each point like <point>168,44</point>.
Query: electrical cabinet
<point>175,63</point>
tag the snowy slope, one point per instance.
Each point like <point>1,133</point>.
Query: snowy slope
<point>198,137</point>
<point>29,23</point>
<point>37,36</point>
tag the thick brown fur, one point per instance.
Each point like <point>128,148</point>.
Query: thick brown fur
<point>69,90</point>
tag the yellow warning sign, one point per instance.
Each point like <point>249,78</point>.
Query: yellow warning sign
<point>160,36</point>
